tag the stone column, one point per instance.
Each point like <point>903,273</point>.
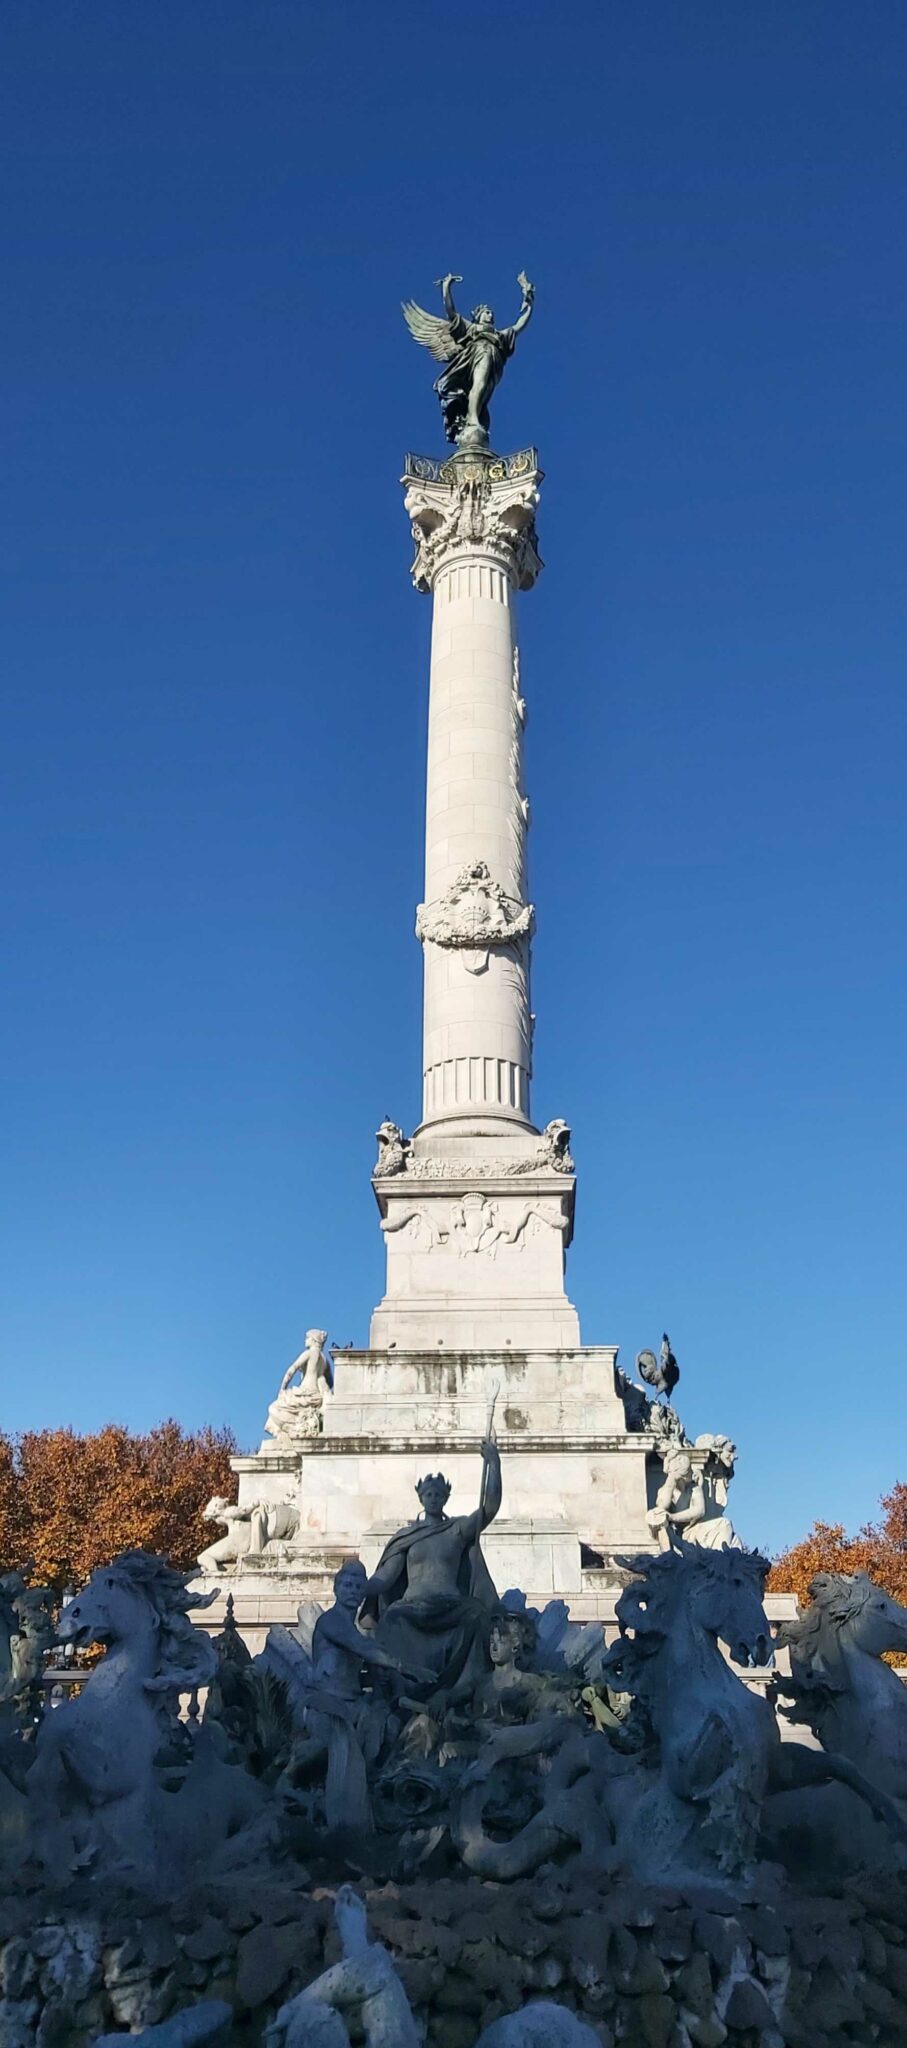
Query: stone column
<point>473,524</point>
<point>477,1210</point>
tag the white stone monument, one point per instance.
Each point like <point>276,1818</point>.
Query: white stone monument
<point>477,1208</point>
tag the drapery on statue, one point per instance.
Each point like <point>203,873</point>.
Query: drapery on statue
<point>474,353</point>
<point>296,1411</point>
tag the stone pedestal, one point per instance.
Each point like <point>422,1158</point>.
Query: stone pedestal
<point>475,1261</point>
<point>574,1477</point>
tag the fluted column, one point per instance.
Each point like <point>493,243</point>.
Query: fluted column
<point>473,523</point>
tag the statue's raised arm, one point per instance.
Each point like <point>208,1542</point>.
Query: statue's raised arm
<point>473,351</point>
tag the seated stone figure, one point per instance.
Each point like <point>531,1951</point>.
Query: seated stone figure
<point>343,1723</point>
<point>431,1594</point>
<point>296,1411</point>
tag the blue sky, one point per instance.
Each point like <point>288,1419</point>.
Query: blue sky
<point>215,684</point>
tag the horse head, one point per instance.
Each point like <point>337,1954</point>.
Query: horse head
<point>139,1601</point>
<point>847,1611</point>
<point>108,1610</point>
<point>718,1592</point>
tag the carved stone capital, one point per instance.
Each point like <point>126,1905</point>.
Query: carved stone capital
<point>474,503</point>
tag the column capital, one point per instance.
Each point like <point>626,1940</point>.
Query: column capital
<point>476,503</point>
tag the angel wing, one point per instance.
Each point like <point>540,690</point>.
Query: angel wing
<point>433,333</point>
<point>284,1656</point>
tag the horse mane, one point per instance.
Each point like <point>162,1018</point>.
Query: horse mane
<point>647,1605</point>
<point>815,1636</point>
<point>186,1656</point>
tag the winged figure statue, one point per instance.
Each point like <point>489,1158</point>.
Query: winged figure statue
<point>473,352</point>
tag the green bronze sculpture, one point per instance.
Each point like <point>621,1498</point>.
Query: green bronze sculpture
<point>474,353</point>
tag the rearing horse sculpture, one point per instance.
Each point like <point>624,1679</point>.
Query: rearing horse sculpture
<point>855,1704</point>
<point>721,1754</point>
<point>93,1768</point>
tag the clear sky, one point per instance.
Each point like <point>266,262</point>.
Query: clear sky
<point>215,671</point>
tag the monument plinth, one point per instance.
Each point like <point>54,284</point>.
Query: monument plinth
<point>477,1207</point>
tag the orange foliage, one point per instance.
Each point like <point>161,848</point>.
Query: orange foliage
<point>69,1503</point>
<point>879,1549</point>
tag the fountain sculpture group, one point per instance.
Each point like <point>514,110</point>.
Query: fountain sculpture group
<point>423,1728</point>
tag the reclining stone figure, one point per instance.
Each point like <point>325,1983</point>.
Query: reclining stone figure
<point>249,1531</point>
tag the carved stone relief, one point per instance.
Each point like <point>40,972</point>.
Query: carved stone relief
<point>519,703</point>
<point>424,1231</point>
<point>551,1155</point>
<point>474,1224</point>
<point>474,914</point>
<point>393,1149</point>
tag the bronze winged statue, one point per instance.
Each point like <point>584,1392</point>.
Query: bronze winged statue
<point>473,353</point>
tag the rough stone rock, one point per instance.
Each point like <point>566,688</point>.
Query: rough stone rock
<point>459,1993</point>
<point>767,1931</point>
<point>547,1973</point>
<point>266,1957</point>
<point>881,2002</point>
<point>130,2000</point>
<point>622,1956</point>
<point>199,2026</point>
<point>829,2002</point>
<point>240,1916</point>
<point>72,1971</point>
<point>120,1959</point>
<point>450,2030</point>
<point>163,1997</point>
<point>886,1901</point>
<point>158,1945</point>
<point>206,1942</point>
<point>18,1969</point>
<point>404,1936</point>
<point>648,1974</point>
<point>656,2016</point>
<point>672,1937</point>
<point>549,1904</point>
<point>705,2030</point>
<point>275,1904</point>
<point>875,1950</point>
<point>894,1969</point>
<point>420,1976</point>
<point>17,2023</point>
<point>539,2026</point>
<point>748,2005</point>
<point>775,1974</point>
<point>693,1984</point>
<point>722,1937</point>
<point>505,1975</point>
<point>45,1941</point>
<point>586,1944</point>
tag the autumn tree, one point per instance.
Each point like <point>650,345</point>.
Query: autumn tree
<point>69,1503</point>
<point>880,1549</point>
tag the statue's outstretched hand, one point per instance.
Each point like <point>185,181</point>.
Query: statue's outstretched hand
<point>450,277</point>
<point>527,289</point>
